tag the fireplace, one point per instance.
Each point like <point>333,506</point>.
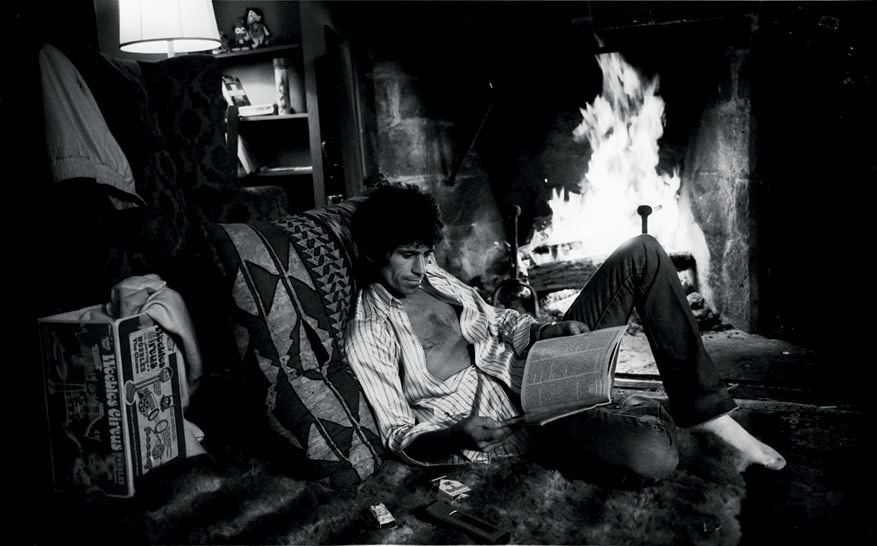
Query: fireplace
<point>622,191</point>
<point>494,96</point>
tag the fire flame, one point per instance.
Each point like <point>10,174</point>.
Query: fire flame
<point>622,126</point>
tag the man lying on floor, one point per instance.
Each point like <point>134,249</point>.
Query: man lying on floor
<point>442,368</point>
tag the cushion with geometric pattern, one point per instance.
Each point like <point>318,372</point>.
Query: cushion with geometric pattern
<point>292,284</point>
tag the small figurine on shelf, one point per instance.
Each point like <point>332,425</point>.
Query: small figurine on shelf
<point>258,31</point>
<point>224,43</point>
<point>242,38</point>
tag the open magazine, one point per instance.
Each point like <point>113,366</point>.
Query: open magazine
<point>567,375</point>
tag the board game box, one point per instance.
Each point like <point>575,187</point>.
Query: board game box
<point>114,396</point>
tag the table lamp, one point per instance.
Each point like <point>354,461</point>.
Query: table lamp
<point>171,26</point>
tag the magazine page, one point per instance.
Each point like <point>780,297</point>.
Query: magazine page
<point>570,373</point>
<point>543,417</point>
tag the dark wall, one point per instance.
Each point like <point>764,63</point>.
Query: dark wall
<point>25,170</point>
<point>814,102</point>
<point>71,20</point>
<point>503,69</point>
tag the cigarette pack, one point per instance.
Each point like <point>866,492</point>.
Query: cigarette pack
<point>449,490</point>
<point>381,516</point>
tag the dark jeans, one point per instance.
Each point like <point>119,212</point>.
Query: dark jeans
<point>618,447</point>
<point>640,440</point>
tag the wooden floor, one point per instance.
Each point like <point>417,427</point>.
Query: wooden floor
<point>825,493</point>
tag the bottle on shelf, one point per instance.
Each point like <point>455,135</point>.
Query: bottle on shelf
<point>281,82</point>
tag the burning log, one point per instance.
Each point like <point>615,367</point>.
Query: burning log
<point>573,274</point>
<point>554,276</point>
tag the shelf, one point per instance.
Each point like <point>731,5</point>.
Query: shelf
<point>275,117</point>
<point>273,149</point>
<point>268,172</point>
<point>259,52</point>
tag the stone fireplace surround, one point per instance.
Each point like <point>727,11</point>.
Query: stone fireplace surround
<point>735,78</point>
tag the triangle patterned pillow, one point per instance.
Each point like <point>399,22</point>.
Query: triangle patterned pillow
<point>292,288</point>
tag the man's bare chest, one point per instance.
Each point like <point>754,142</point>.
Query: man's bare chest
<point>437,325</point>
<point>435,322</point>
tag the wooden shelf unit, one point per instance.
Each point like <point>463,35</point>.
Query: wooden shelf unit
<point>278,147</point>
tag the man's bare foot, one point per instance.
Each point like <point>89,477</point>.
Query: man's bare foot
<point>754,451</point>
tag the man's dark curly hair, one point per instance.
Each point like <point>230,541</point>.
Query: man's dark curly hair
<point>396,215</point>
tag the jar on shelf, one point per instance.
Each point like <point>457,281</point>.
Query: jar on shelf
<point>281,81</point>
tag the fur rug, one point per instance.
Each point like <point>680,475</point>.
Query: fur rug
<point>195,502</point>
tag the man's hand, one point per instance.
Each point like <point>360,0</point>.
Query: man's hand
<point>563,328</point>
<point>481,433</point>
<point>474,432</point>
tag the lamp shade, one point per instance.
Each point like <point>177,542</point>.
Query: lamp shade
<point>167,26</point>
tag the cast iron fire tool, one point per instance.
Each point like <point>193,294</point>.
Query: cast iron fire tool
<point>644,211</point>
<point>515,293</point>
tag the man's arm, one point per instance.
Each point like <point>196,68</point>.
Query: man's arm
<point>472,433</point>
<point>561,328</point>
<point>373,354</point>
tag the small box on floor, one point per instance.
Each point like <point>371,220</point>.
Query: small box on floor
<point>449,490</point>
<point>114,395</point>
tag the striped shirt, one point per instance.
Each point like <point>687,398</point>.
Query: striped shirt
<point>390,363</point>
